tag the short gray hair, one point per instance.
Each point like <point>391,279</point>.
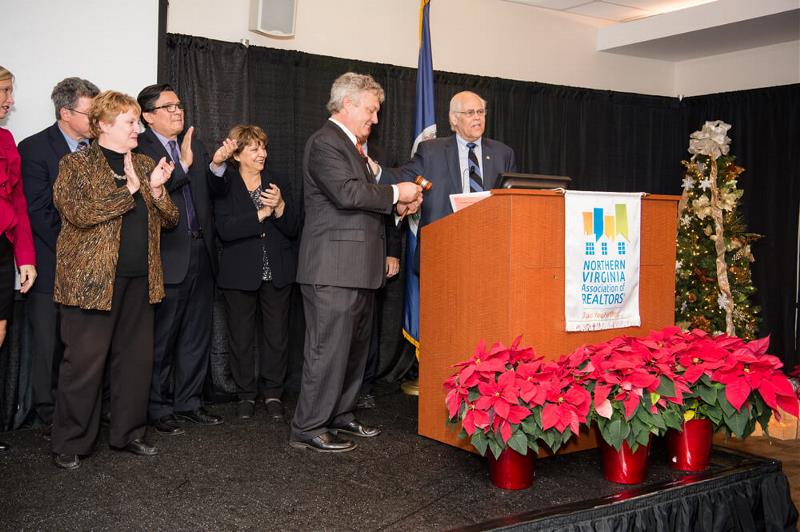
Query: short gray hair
<point>68,91</point>
<point>351,85</point>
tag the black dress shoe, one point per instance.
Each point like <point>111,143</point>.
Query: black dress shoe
<point>4,447</point>
<point>246,409</point>
<point>274,409</point>
<point>138,446</point>
<point>168,426</point>
<point>67,461</point>
<point>356,428</point>
<point>327,442</point>
<point>201,416</point>
<point>47,432</point>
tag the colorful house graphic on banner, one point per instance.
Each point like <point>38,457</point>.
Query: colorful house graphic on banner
<point>606,228</point>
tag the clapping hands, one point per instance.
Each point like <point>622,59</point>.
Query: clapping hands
<point>224,152</point>
<point>272,203</point>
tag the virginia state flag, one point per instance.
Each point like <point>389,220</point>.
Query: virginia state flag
<point>424,129</point>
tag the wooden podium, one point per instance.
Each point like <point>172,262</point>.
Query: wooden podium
<point>496,270</point>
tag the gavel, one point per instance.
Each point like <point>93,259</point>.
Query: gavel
<point>425,185</point>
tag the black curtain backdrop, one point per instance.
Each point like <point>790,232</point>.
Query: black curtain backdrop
<point>603,140</point>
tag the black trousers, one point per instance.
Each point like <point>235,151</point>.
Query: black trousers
<point>373,355</point>
<point>121,338</point>
<point>243,308</point>
<point>183,338</point>
<point>47,350</point>
<point>338,327</point>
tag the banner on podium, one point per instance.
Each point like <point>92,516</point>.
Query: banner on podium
<point>602,260</point>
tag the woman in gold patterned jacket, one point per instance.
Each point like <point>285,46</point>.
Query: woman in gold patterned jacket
<point>108,277</point>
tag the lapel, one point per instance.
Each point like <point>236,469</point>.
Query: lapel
<point>156,147</point>
<point>453,166</point>
<point>490,169</point>
<point>355,158</point>
<point>57,142</point>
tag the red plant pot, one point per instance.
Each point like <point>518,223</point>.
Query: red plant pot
<point>512,471</point>
<point>690,449</point>
<point>624,466</point>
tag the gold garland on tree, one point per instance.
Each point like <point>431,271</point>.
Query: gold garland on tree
<point>713,281</point>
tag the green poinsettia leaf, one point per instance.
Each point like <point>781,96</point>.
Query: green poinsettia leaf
<point>519,442</point>
<point>714,413</point>
<point>480,442</point>
<point>737,423</point>
<point>642,438</point>
<point>533,444</point>
<point>708,394</point>
<point>727,408</point>
<point>666,387</point>
<point>529,426</point>
<point>495,448</point>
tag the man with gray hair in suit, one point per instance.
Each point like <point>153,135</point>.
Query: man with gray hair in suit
<point>341,264</point>
<point>40,153</point>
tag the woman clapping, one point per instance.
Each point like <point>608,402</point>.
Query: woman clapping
<point>113,205</point>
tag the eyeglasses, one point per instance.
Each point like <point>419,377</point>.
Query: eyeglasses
<point>79,112</point>
<point>170,107</point>
<point>472,112</point>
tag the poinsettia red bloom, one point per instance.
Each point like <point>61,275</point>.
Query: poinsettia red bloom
<point>761,372</point>
<point>533,381</point>
<point>500,395</point>
<point>474,419</point>
<point>567,406</point>
<point>483,363</point>
<point>515,415</point>
<point>456,395</point>
<point>704,357</point>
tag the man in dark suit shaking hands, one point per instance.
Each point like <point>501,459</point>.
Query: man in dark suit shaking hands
<point>341,264</point>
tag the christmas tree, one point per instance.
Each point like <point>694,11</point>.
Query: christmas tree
<point>713,284</point>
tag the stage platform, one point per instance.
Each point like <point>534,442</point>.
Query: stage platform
<point>243,475</point>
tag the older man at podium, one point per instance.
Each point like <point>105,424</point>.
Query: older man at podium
<point>461,163</point>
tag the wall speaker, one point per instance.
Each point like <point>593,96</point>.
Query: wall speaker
<point>273,17</point>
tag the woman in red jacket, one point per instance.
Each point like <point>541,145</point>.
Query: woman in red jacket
<point>16,241</point>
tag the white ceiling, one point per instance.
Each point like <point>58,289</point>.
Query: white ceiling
<point>617,10</point>
<point>678,30</point>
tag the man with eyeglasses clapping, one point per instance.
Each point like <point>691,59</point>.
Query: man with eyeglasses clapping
<point>189,257</point>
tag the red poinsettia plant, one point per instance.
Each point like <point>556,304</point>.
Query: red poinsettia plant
<point>733,383</point>
<point>633,386</point>
<point>509,397</point>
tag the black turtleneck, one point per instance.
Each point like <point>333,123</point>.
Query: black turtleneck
<point>132,261</point>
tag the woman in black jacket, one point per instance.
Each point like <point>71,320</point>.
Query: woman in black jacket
<point>256,223</point>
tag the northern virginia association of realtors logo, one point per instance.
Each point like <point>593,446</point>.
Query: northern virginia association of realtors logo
<point>606,237</point>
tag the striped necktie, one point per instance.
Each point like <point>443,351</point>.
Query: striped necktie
<point>475,181</point>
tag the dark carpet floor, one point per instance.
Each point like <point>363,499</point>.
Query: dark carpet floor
<point>243,475</point>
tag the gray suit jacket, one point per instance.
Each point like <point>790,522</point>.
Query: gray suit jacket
<point>343,241</point>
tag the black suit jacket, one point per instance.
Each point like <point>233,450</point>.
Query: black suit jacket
<point>40,154</point>
<point>205,185</point>
<point>242,236</point>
